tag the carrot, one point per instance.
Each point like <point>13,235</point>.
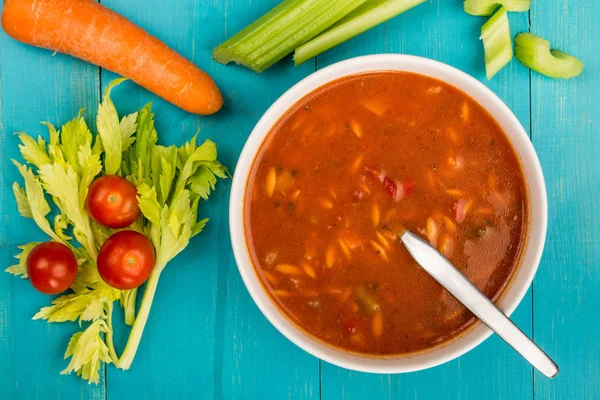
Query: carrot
<point>87,30</point>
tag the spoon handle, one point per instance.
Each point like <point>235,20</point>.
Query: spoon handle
<point>470,296</point>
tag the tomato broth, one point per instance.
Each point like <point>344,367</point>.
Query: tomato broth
<point>338,177</point>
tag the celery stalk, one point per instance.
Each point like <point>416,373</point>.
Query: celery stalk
<point>487,7</point>
<point>281,30</point>
<point>497,44</point>
<point>534,53</point>
<point>365,17</point>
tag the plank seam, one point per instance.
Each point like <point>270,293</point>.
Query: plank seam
<point>104,374</point>
<point>532,283</point>
<point>320,389</point>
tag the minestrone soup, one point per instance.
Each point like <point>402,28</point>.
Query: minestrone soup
<point>341,173</point>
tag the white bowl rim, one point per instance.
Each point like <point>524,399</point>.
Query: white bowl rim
<point>531,253</point>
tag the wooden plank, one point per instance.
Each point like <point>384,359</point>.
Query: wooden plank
<point>442,31</point>
<point>34,86</point>
<point>258,362</point>
<point>565,126</point>
<point>205,337</point>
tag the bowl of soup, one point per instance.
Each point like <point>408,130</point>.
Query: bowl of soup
<point>339,164</point>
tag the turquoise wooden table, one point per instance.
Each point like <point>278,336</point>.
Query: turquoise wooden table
<point>205,337</point>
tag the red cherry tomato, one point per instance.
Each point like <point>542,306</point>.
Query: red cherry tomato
<point>52,267</point>
<point>126,259</point>
<point>112,201</point>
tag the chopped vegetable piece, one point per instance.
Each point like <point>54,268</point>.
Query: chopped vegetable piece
<point>310,271</point>
<point>465,112</point>
<point>408,186</point>
<point>326,204</point>
<point>356,128</point>
<point>497,45</point>
<point>356,163</point>
<point>280,31</point>
<point>377,324</point>
<point>461,207</point>
<point>288,269</point>
<point>384,242</point>
<point>360,20</point>
<point>432,230</point>
<point>377,174</point>
<point>345,249</point>
<point>366,300</point>
<point>390,187</point>
<point>330,256</point>
<point>396,190</point>
<point>352,326</point>
<point>487,7</point>
<point>271,181</point>
<point>375,214</point>
<point>446,245</point>
<point>534,52</point>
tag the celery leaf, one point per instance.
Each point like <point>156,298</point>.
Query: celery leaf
<point>20,269</point>
<point>87,349</point>
<point>22,202</point>
<point>33,152</point>
<point>137,159</point>
<point>91,166</point>
<point>164,167</point>
<point>38,206</point>
<point>74,135</point>
<point>109,130</point>
<point>128,126</point>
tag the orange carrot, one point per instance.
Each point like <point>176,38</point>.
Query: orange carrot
<point>87,30</point>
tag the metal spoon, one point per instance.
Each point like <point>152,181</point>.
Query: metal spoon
<point>460,287</point>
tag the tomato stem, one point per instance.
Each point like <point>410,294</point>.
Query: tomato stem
<point>140,321</point>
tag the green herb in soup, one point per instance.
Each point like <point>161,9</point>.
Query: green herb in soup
<point>338,177</point>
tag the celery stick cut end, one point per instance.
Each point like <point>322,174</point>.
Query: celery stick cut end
<point>298,59</point>
<point>534,53</point>
<point>225,56</point>
<point>306,52</point>
<point>222,56</point>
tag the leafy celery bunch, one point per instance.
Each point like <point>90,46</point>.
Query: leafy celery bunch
<point>171,181</point>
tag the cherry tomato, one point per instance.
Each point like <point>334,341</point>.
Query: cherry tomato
<point>112,201</point>
<point>52,267</point>
<point>126,259</point>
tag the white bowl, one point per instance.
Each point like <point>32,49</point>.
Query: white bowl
<point>532,250</point>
